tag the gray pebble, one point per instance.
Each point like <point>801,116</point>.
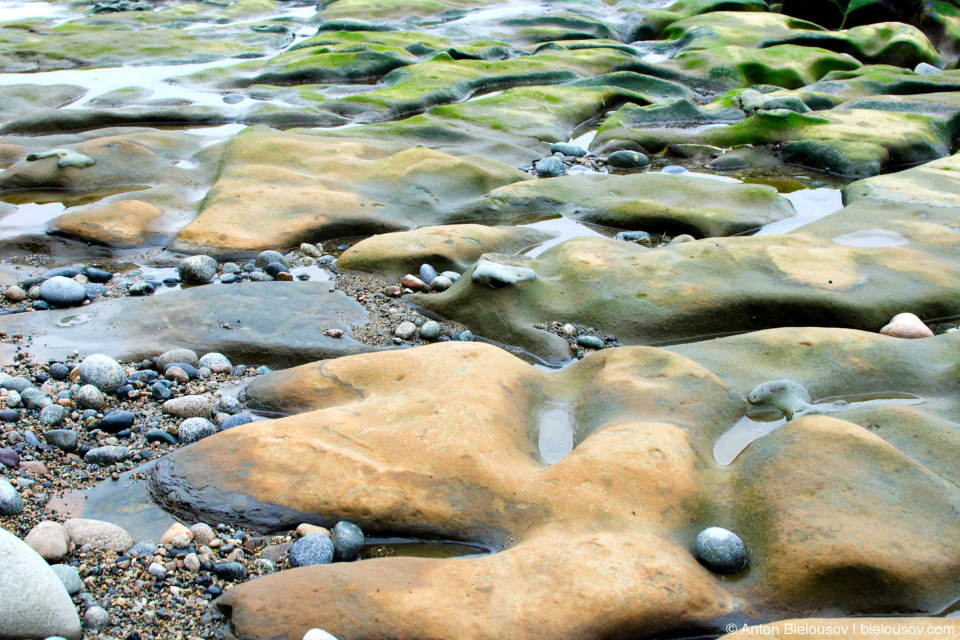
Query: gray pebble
<point>720,550</point>
<point>315,548</point>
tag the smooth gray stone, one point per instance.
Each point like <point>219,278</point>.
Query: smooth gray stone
<point>277,330</point>
<point>33,600</point>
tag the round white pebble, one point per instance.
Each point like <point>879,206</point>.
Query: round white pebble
<point>318,634</point>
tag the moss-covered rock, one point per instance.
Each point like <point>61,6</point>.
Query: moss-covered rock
<point>854,142</point>
<point>787,66</point>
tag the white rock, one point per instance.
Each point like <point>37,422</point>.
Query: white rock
<point>907,325</point>
<point>318,634</point>
<point>33,601</point>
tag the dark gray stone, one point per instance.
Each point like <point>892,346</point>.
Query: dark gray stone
<point>315,548</point>
<point>347,541</point>
<point>720,550</point>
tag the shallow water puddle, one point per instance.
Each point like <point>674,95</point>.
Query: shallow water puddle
<point>416,548</point>
<point>20,10</point>
<point>872,239</point>
<point>103,80</point>
<point>29,218</point>
<point>759,423</point>
<point>124,502</point>
<point>556,431</point>
<point>810,205</point>
<point>567,229</point>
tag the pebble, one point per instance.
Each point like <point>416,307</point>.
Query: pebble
<point>59,371</point>
<point>63,439</point>
<point>15,294</point>
<point>413,283</point>
<point>907,325</point>
<point>236,421</point>
<point>11,504</point>
<point>684,237</point>
<point>441,283</point>
<point>227,404</point>
<point>96,618</point>
<point>728,163</point>
<point>156,570</point>
<point>50,540</point>
<point>392,291</point>
<point>495,274</point>
<point>627,160</point>
<point>427,273</point>
<point>265,566</point>
<point>70,578</point>
<point>315,548</point>
<point>9,458</point>
<point>105,456</point>
<point>187,407</point>
<point>202,533</point>
<point>52,415</point>
<point>641,237</point>
<point>197,269</point>
<point>98,275</point>
<point>430,330</point>
<point>116,421</point>
<point>98,534</point>
<point>195,429</point>
<point>405,331</point>
<point>161,436</point>
<point>591,342</point>
<point>174,531</point>
<point>347,541</point>
<point>266,257</point>
<point>310,250</point>
<point>143,549</point>
<point>62,292</point>
<point>103,372</point>
<point>232,571</point>
<point>318,634</point>
<point>89,397</point>
<point>216,362</point>
<point>305,529</point>
<point>174,356</point>
<point>720,550</point>
<point>567,149</point>
<point>550,167</point>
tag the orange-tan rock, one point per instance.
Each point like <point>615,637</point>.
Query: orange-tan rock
<point>126,223</point>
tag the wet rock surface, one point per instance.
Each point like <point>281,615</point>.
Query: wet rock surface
<point>652,300</point>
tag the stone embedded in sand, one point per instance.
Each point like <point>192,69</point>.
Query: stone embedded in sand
<point>50,540</point>
<point>786,395</point>
<point>98,534</point>
<point>496,274</point>
<point>907,325</point>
